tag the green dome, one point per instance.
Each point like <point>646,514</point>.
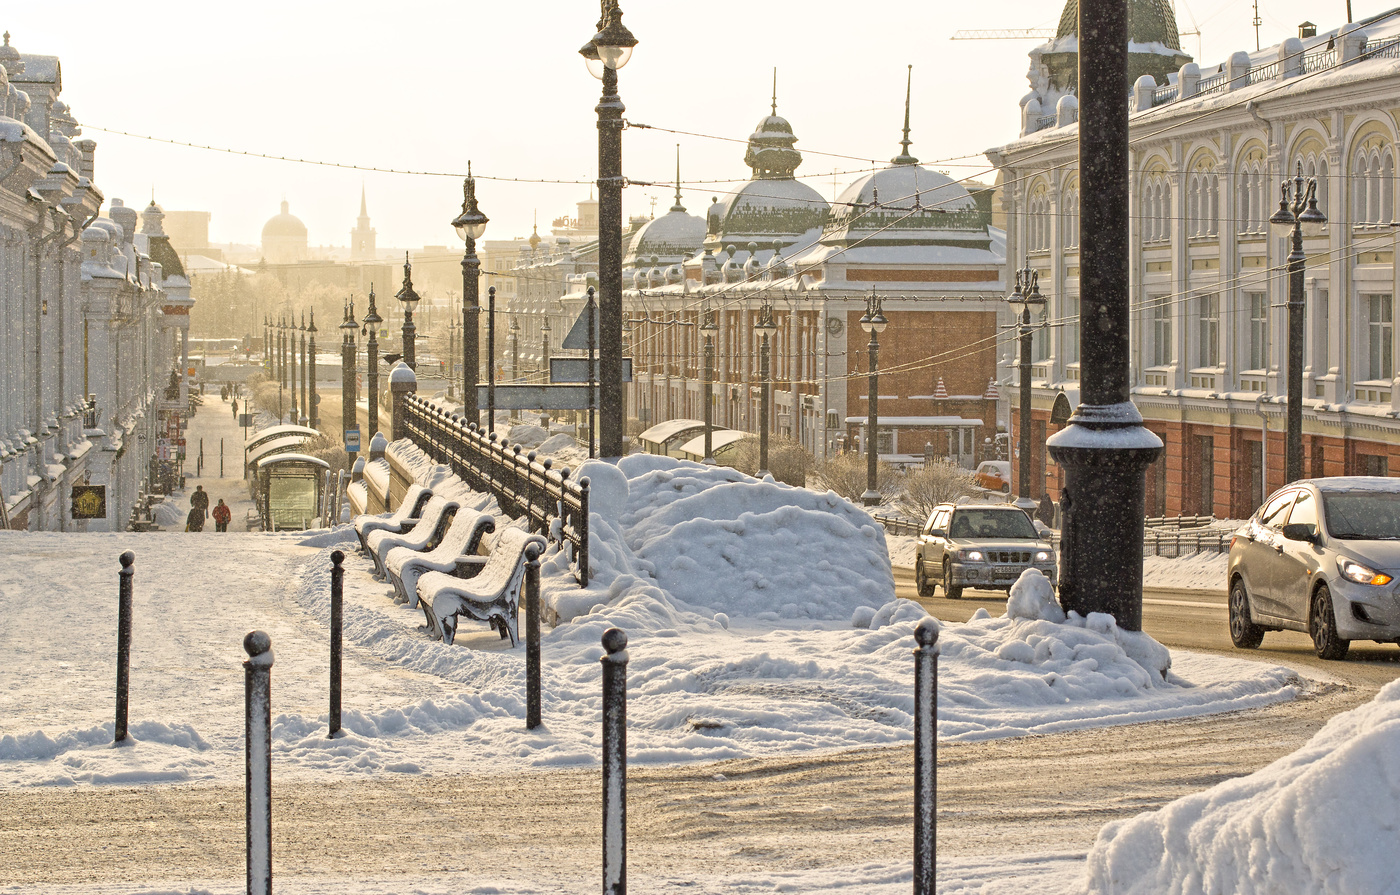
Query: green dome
<point>1149,21</point>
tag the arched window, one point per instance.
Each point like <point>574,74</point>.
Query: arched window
<point>1360,214</point>
<point>1386,211</point>
<point>1242,212</point>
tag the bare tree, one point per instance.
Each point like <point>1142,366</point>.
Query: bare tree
<point>846,475</point>
<point>938,482</point>
<point>788,460</point>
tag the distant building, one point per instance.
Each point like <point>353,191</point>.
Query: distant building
<point>362,237</point>
<point>284,238</point>
<point>189,233</point>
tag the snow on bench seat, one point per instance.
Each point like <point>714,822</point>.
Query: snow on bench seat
<point>424,535</point>
<point>457,554</point>
<point>399,521</point>
<point>493,596</point>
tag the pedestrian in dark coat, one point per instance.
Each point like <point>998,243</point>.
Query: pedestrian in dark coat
<point>199,501</point>
<point>1046,511</point>
<point>195,520</point>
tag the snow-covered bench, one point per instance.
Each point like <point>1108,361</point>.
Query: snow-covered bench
<point>399,521</point>
<point>424,535</point>
<point>457,554</point>
<point>493,596</point>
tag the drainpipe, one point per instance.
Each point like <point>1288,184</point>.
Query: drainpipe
<point>1263,450</point>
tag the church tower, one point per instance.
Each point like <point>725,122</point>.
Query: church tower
<point>362,237</point>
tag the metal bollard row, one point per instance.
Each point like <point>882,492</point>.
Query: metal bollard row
<point>124,585</point>
<point>925,756</point>
<point>257,686</point>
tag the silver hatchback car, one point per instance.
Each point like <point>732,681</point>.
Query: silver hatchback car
<point>1320,556</point>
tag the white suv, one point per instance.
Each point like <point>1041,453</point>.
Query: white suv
<point>985,546</point>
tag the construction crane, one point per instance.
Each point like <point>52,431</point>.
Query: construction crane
<point>1005,34</point>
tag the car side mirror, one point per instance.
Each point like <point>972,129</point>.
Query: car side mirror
<point>937,533</point>
<point>1299,531</point>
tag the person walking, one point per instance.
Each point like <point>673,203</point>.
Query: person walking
<point>235,408</point>
<point>199,503</point>
<point>195,520</point>
<point>222,515</point>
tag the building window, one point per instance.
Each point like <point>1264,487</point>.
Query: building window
<point>1372,464</point>
<point>1380,354</point>
<point>1205,472</point>
<point>1161,330</point>
<point>1321,364</point>
<point>1208,331</point>
<point>1258,331</point>
<point>1071,321</point>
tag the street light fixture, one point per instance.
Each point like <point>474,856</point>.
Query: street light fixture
<point>1303,219</point>
<point>1025,300</point>
<point>371,326</point>
<point>314,401</point>
<point>470,226</point>
<point>491,359</point>
<point>872,321</point>
<point>347,377</point>
<point>765,326</point>
<point>305,417</point>
<point>410,329</point>
<point>608,51</point>
<point>514,349</point>
<point>709,328</point>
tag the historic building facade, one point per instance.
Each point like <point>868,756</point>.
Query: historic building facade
<point>88,353</point>
<point>1210,148</point>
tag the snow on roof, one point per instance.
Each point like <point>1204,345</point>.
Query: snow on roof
<point>279,430</point>
<point>719,440</point>
<point>664,431</point>
<point>292,458</point>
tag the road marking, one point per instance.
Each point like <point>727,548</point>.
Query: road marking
<point>1192,603</point>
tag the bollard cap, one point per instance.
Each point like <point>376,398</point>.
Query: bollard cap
<point>126,559</point>
<point>614,641</point>
<point>259,648</point>
<point>926,631</point>
<point>337,557</point>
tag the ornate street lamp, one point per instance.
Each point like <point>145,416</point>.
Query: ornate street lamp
<point>347,376</point>
<point>410,329</point>
<point>305,418</point>
<point>1025,300</point>
<point>545,333</point>
<point>281,347</point>
<point>604,54</point>
<point>1303,219</point>
<point>491,359</point>
<point>470,225</point>
<point>371,327</point>
<point>314,402</point>
<point>872,321</point>
<point>765,326</point>
<point>514,349</point>
<point>709,328</point>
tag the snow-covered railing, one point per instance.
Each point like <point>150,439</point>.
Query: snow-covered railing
<point>898,526</point>
<point>1165,542</point>
<point>1164,94</point>
<point>1266,72</point>
<point>523,486</point>
<point>1382,49</point>
<point>1320,60</point>
<point>1212,84</point>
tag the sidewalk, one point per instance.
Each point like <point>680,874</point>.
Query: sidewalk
<point>214,422</point>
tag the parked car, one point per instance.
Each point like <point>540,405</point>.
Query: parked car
<point>979,545</point>
<point>1320,556</point>
<point>993,475</point>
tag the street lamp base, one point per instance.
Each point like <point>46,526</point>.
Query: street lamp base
<point>870,498</point>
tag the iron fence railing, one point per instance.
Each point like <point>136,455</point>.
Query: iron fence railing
<point>897,525</point>
<point>1169,536</point>
<point>523,486</point>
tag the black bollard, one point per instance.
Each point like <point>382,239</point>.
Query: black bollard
<point>123,641</point>
<point>337,625</point>
<point>532,636</point>
<point>925,756</point>
<point>257,685</point>
<point>615,762</point>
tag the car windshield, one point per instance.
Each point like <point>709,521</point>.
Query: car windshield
<point>1362,515</point>
<point>991,524</point>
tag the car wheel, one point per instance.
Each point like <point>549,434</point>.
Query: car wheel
<point>1323,627</point>
<point>949,591</point>
<point>921,582</point>
<point>1244,633</point>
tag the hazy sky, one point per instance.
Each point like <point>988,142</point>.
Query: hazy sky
<point>426,86</point>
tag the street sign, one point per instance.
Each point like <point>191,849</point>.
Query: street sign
<point>575,369</point>
<point>89,502</point>
<point>538,397</point>
<point>577,338</point>
<point>245,420</point>
<point>352,440</point>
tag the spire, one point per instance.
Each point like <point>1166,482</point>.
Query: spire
<point>534,239</point>
<point>904,158</point>
<point>364,211</point>
<point>678,206</point>
<point>775,90</point>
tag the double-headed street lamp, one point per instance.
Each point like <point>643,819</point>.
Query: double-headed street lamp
<point>347,376</point>
<point>708,327</point>
<point>305,385</point>
<point>410,329</point>
<point>605,53</point>
<point>1025,300</point>
<point>872,321</point>
<point>371,326</point>
<point>1303,219</point>
<point>314,400</point>
<point>470,225</point>
<point>765,326</point>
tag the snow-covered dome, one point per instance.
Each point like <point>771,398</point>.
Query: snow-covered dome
<point>901,185</point>
<point>284,225</point>
<point>672,238</point>
<point>762,209</point>
<point>284,238</point>
<point>905,205</point>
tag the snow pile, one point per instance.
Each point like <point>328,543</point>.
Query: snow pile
<point>1322,819</point>
<point>1033,598</point>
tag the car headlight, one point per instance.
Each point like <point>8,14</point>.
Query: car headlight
<point>1043,556</point>
<point>1355,571</point>
<point>971,556</point>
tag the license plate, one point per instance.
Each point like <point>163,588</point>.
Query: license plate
<point>1006,570</point>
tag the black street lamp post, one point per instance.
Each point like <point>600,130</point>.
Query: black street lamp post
<point>605,53</point>
<point>545,334</point>
<point>765,326</point>
<point>470,225</point>
<point>293,383</point>
<point>305,384</point>
<point>1303,219</point>
<point>371,326</point>
<point>281,349</point>
<point>872,321</point>
<point>708,327</point>
<point>1024,301</point>
<point>1104,450</point>
<point>314,401</point>
<point>347,377</point>
<point>514,336</point>
<point>410,329</point>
